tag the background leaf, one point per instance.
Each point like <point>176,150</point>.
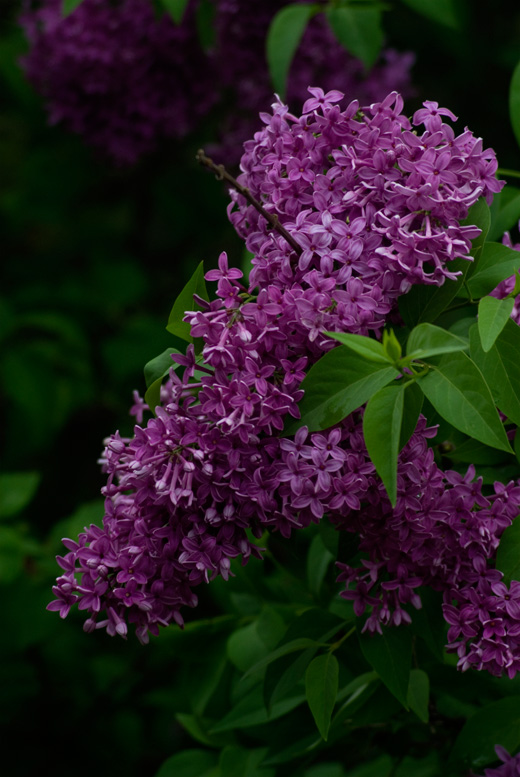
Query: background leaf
<point>321,687</point>
<point>390,654</point>
<point>339,383</point>
<point>413,402</point>
<point>69,6</point>
<point>189,763</point>
<point>17,490</point>
<point>514,102</point>
<point>493,315</point>
<point>175,8</point>
<point>429,340</point>
<point>497,262</point>
<point>419,694</point>
<point>508,553</point>
<point>496,723</point>
<point>382,431</point>
<point>358,29</point>
<point>501,367</point>
<point>441,11</point>
<point>185,302</point>
<point>459,393</point>
<point>284,36</point>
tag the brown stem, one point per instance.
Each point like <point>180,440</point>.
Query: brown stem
<point>222,174</point>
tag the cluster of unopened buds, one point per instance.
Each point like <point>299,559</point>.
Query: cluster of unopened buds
<point>368,204</point>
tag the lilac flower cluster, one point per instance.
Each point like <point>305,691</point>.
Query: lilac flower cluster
<point>193,488</point>
<point>510,766</point>
<point>123,77</point>
<point>117,74</point>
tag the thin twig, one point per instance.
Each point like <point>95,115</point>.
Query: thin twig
<point>222,175</point>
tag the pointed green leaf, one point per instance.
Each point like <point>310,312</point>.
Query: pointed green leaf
<point>359,30</point>
<point>185,302</point>
<point>321,687</point>
<point>339,383</point>
<point>505,211</point>
<point>371,349</point>
<point>495,723</point>
<point>205,20</point>
<point>382,432</point>
<point>419,694</point>
<point>283,38</point>
<point>508,554</point>
<point>441,11</point>
<point>188,763</point>
<point>302,643</point>
<point>175,8</point>
<point>159,366</point>
<point>493,315</point>
<point>497,262</point>
<point>318,561</point>
<point>428,340</point>
<point>457,390</point>
<point>16,491</point>
<point>501,367</point>
<point>244,762</point>
<point>390,654</point>
<point>514,102</point>
<point>69,6</point>
<point>250,711</point>
<point>413,402</point>
<point>426,303</point>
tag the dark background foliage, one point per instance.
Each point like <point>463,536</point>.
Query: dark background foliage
<point>92,257</point>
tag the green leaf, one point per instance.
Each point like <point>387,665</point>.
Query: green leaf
<point>302,643</point>
<point>371,349</point>
<point>390,654</point>
<point>498,722</point>
<point>17,490</point>
<point>359,30</point>
<point>321,687</point>
<point>497,262</point>
<point>457,390</point>
<point>205,20</point>
<point>426,303</point>
<point>159,366</point>
<point>501,367</point>
<point>251,711</point>
<point>69,6</point>
<point>283,38</point>
<point>339,383</point>
<point>175,8</point>
<point>514,102</point>
<point>413,402</point>
<point>332,769</point>
<point>505,212</point>
<point>188,763</point>
<point>318,561</point>
<point>241,762</point>
<point>185,302</point>
<point>382,432</point>
<point>441,11</point>
<point>493,315</point>
<point>508,554</point>
<point>418,695</point>
<point>479,215</point>
<point>428,622</point>
<point>428,340</point>
<point>381,767</point>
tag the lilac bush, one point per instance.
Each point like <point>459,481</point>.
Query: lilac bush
<point>372,203</point>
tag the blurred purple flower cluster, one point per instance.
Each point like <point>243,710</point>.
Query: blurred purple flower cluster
<point>117,74</point>
<point>374,201</point>
<point>124,78</point>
